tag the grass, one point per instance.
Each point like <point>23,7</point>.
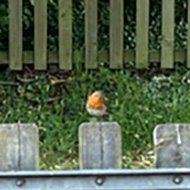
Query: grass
<point>56,103</point>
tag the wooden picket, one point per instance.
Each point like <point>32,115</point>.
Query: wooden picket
<point>40,35</point>
<point>167,54</point>
<point>142,33</point>
<point>116,34</point>
<point>15,34</point>
<point>91,29</point>
<point>65,34</point>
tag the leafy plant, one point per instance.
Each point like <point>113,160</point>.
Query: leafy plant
<point>56,103</point>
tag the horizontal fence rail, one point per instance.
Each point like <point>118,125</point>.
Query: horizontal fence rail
<point>65,57</point>
<point>103,56</point>
<point>97,179</point>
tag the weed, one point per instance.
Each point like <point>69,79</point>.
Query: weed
<point>56,103</point>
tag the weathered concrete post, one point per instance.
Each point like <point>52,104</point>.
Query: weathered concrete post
<point>100,145</point>
<point>172,145</point>
<point>19,147</point>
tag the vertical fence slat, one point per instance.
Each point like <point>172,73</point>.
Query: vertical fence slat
<point>171,142</point>
<point>142,29</point>
<point>100,145</point>
<point>116,34</point>
<point>15,34</point>
<point>40,48</point>
<point>19,147</point>
<point>188,37</point>
<point>167,53</point>
<point>91,29</point>
<point>65,34</point>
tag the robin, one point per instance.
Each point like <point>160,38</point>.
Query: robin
<point>96,104</point>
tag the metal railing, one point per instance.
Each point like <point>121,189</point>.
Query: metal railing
<point>97,179</point>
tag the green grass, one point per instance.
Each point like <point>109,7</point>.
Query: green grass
<point>56,103</point>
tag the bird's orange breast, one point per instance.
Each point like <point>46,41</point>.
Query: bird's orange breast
<point>95,102</point>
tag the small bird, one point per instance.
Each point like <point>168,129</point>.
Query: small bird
<point>96,104</point>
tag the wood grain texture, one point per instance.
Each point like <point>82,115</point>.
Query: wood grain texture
<point>9,151</point>
<point>29,146</point>
<point>40,35</point>
<point>100,145</point>
<point>116,34</point>
<point>172,148</point>
<point>15,34</point>
<point>111,138</point>
<point>65,34</point>
<point>19,147</point>
<point>142,29</point>
<point>103,56</point>
<point>167,56</point>
<point>91,30</point>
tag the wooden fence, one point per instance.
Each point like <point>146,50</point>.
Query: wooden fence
<point>100,146</point>
<point>100,158</point>
<point>116,56</point>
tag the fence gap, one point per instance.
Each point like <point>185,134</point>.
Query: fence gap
<point>91,30</point>
<point>116,34</point>
<point>65,34</point>
<point>167,52</point>
<point>142,29</point>
<point>40,35</point>
<point>15,34</point>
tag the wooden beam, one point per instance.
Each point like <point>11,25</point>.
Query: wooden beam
<point>91,30</point>
<point>19,147</point>
<point>15,34</point>
<point>142,30</point>
<point>100,145</point>
<point>103,56</point>
<point>167,56</point>
<point>116,34</point>
<point>40,35</point>
<point>171,143</point>
<point>65,34</point>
